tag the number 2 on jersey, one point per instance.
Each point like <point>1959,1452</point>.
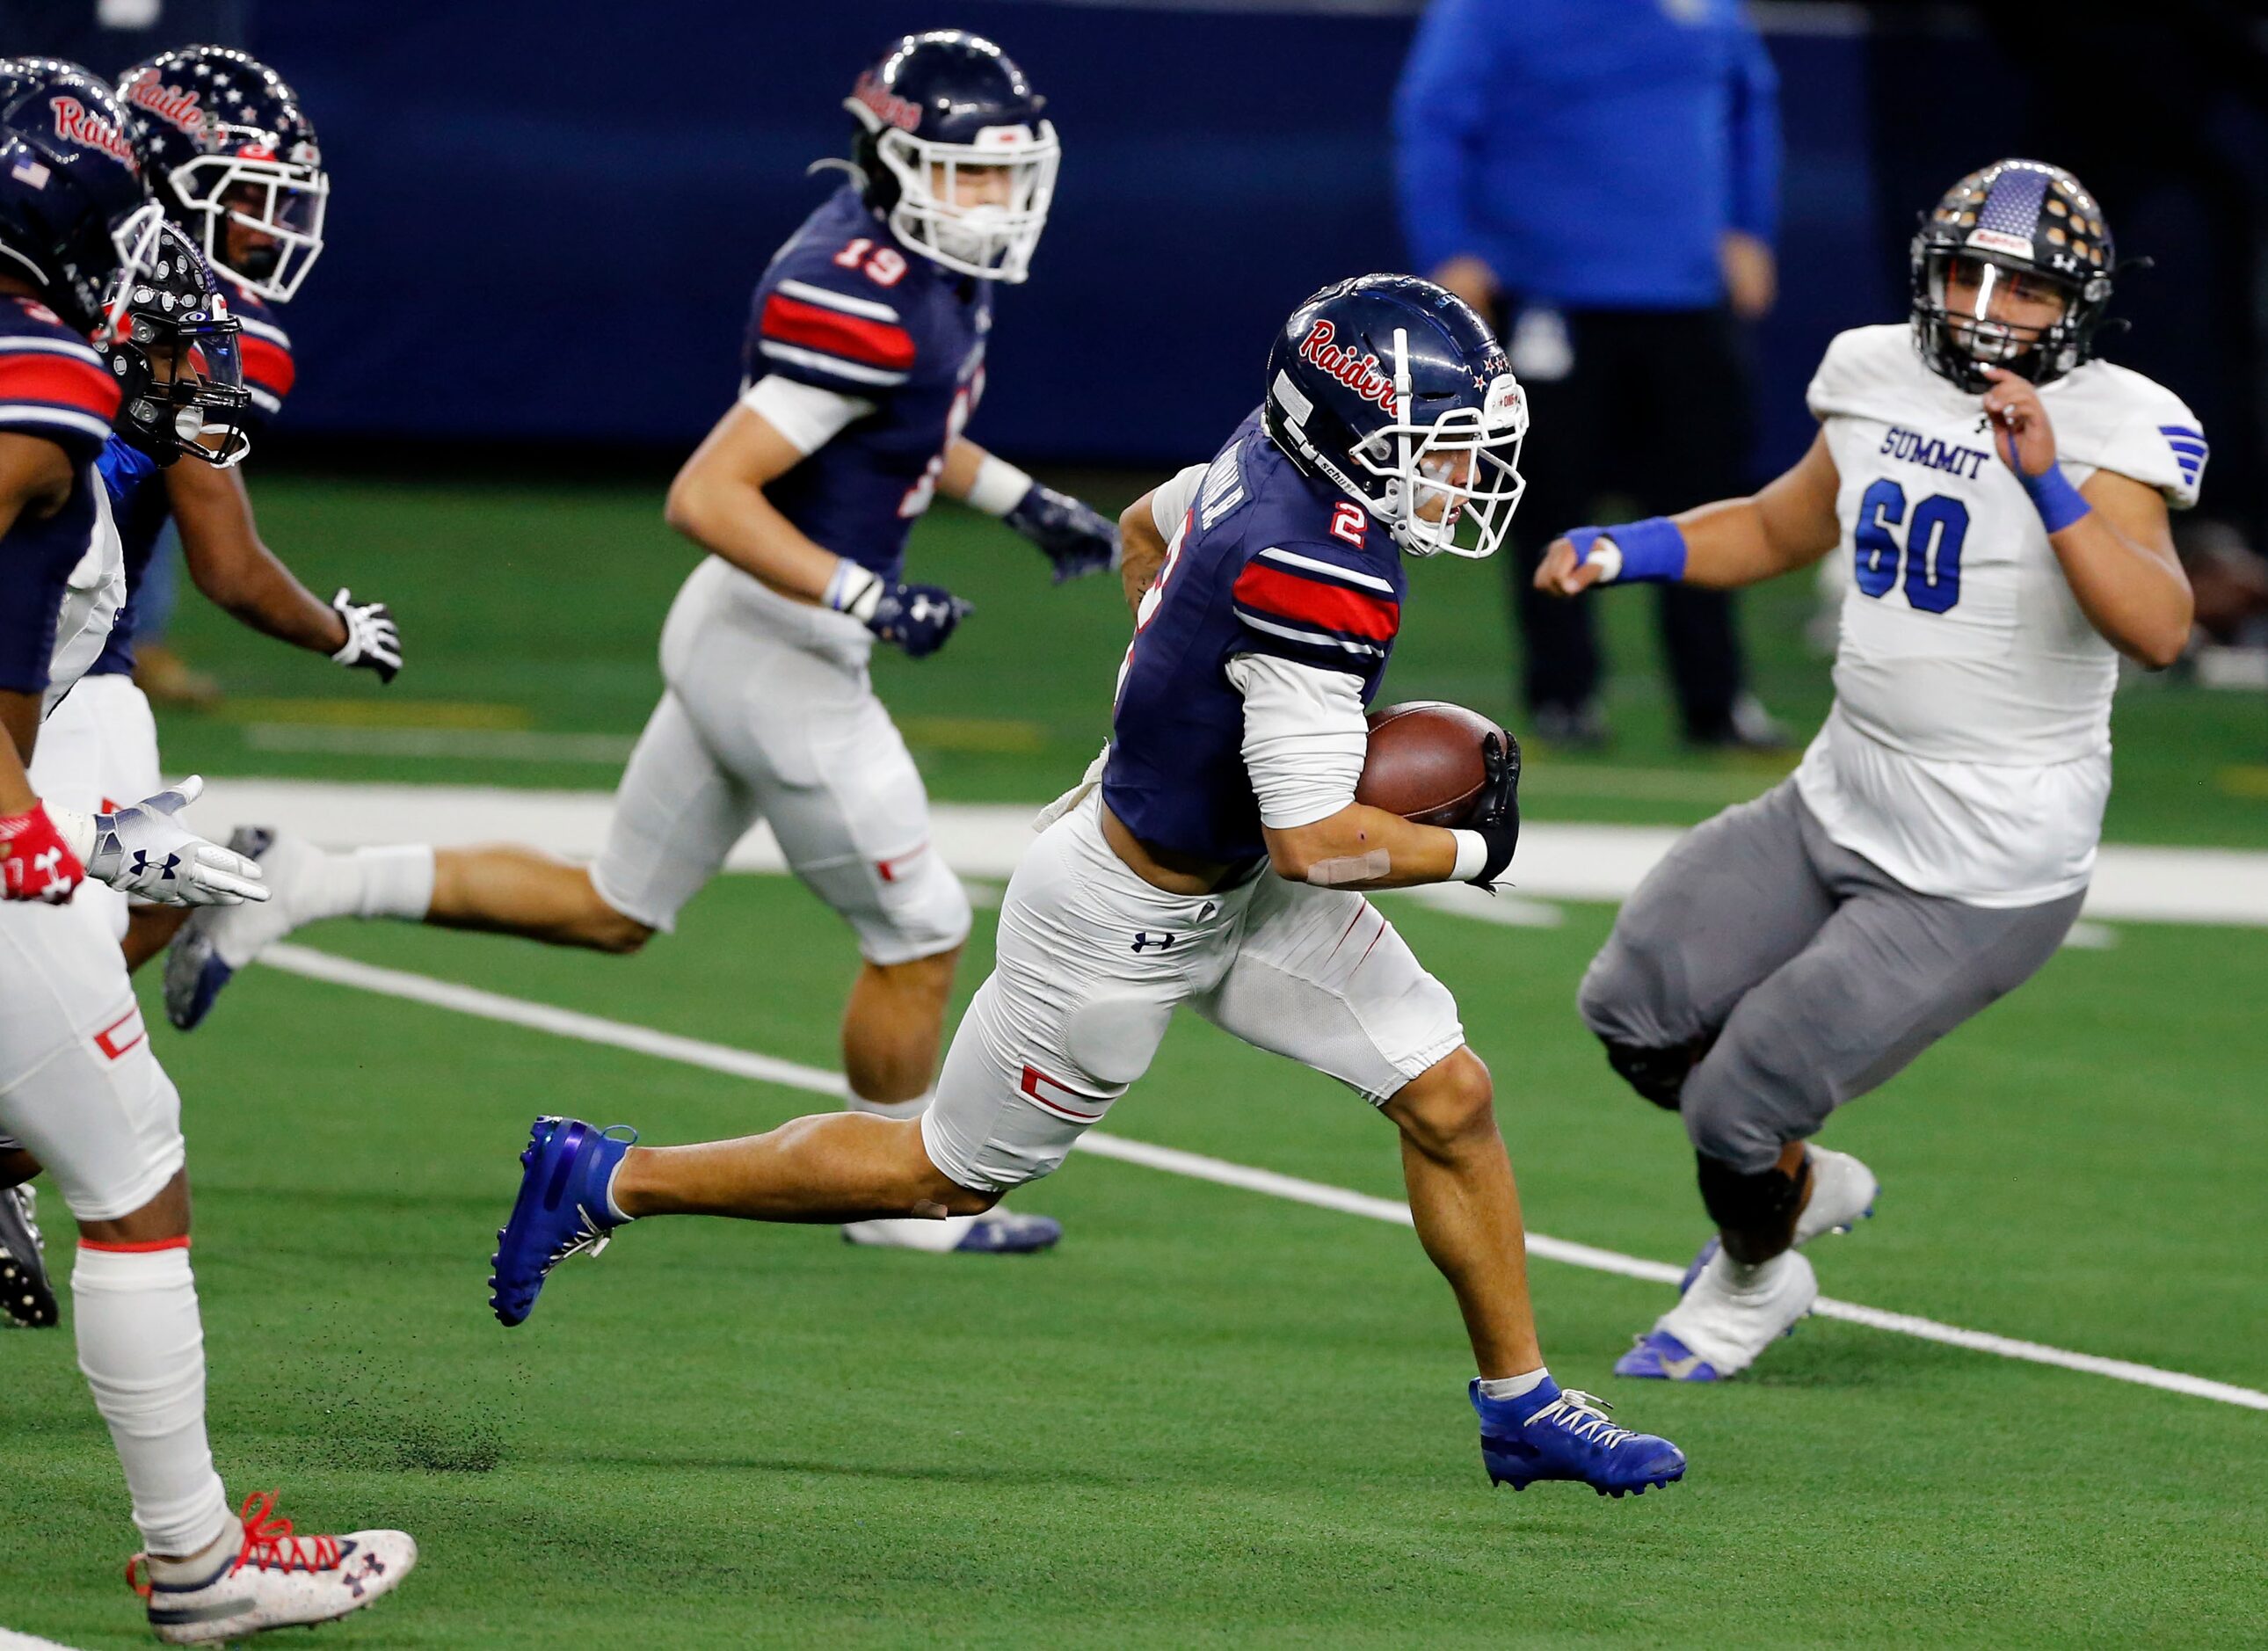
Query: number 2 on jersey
<point>1931,553</point>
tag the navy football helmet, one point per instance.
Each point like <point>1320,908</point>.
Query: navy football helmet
<point>228,147</point>
<point>73,205</point>
<point>2019,217</point>
<point>174,354</point>
<point>940,106</point>
<point>1396,392</point>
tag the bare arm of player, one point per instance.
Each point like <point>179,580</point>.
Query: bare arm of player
<point>2118,556</point>
<point>1361,847</point>
<point>718,501</point>
<point>222,546</point>
<point>962,461</point>
<point>1790,524</point>
<point>35,481</point>
<point>1142,550</point>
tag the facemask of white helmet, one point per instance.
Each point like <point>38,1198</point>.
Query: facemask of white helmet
<point>993,240</point>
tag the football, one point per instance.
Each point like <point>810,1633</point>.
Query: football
<point>1425,762</point>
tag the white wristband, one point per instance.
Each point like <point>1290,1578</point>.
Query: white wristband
<point>1472,856</point>
<point>999,487</point>
<point>853,590</point>
<point>76,830</point>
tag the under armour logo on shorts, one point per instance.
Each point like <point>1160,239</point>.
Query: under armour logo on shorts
<point>1144,938</point>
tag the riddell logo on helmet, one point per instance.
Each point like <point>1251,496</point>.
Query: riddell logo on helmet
<point>890,107</point>
<point>1358,373</point>
<point>176,106</point>
<point>75,124</point>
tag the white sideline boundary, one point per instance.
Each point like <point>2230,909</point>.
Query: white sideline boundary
<point>1558,860</point>
<point>590,1028</point>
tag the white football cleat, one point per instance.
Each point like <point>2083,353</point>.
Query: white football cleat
<point>998,1232</point>
<point>218,940</point>
<point>275,1580</point>
<point>1843,1193</point>
<point>1718,1326</point>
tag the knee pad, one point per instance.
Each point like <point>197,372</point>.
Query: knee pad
<point>1659,1074</point>
<point>1764,1202</point>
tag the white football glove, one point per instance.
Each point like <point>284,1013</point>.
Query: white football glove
<point>373,640</point>
<point>144,850</point>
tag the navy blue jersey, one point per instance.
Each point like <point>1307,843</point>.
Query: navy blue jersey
<point>137,483</point>
<point>1268,562</point>
<point>846,307</point>
<point>52,385</point>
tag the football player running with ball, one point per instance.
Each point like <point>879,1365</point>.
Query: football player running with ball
<point>864,360</point>
<point>78,1083</point>
<point>2004,498</point>
<point>1220,863</point>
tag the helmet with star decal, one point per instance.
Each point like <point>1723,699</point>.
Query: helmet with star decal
<point>234,158</point>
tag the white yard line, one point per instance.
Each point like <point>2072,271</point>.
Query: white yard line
<point>442,994</point>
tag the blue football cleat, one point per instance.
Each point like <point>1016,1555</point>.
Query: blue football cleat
<point>1550,1434</point>
<point>195,971</point>
<point>1659,1356</point>
<point>1004,1232</point>
<point>561,1211</point>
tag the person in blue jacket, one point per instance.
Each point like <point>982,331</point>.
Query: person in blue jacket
<point>1600,177</point>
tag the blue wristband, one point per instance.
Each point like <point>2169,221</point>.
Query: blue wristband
<point>2059,503</point>
<point>1654,550</point>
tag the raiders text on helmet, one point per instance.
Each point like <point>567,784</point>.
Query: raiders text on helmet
<point>1394,391</point>
<point>2022,216</point>
<point>936,108</point>
<point>229,148</point>
<point>73,205</point>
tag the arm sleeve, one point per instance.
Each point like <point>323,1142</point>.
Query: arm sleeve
<point>57,388</point>
<point>2163,448</point>
<point>1170,503</point>
<point>269,370</point>
<point>1754,150</point>
<point>807,415</point>
<point>1305,737</point>
<point>1438,115</point>
<point>811,332</point>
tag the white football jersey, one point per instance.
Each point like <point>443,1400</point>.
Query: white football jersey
<point>92,596</point>
<point>1968,751</point>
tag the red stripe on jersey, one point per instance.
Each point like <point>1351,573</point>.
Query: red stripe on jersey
<point>877,344</point>
<point>41,375</point>
<point>268,365</point>
<point>1271,590</point>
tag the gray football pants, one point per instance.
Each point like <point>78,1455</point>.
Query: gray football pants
<point>1819,975</point>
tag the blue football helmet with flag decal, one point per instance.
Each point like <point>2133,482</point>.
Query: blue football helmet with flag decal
<point>2012,217</point>
<point>233,156</point>
<point>74,207</point>
<point>937,108</point>
<point>1394,390</point>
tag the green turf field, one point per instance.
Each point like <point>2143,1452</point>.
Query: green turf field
<point>1211,1417</point>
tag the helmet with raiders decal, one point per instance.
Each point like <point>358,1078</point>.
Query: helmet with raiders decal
<point>2015,219</point>
<point>232,156</point>
<point>1396,392</point>
<point>174,351</point>
<point>74,207</point>
<point>952,148</point>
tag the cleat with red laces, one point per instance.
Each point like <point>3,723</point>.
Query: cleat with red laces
<point>275,1580</point>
